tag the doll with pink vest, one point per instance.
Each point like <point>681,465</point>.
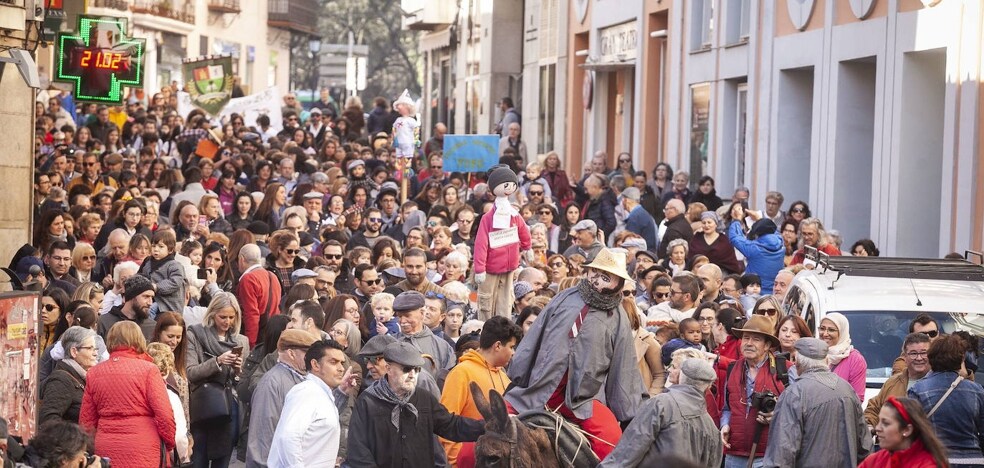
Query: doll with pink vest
<point>502,236</point>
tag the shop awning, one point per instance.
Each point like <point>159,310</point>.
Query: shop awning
<point>608,66</point>
<point>434,40</point>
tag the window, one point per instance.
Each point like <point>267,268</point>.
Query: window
<point>700,106</point>
<point>702,24</point>
<point>741,123</point>
<point>738,17</point>
<point>548,100</point>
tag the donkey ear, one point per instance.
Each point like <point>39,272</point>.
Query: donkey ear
<point>499,412</point>
<point>480,401</point>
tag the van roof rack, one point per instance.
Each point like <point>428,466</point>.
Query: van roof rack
<point>956,269</point>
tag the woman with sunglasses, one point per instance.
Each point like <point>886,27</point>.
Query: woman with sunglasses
<point>799,211</point>
<point>770,307</point>
<point>845,361</point>
<point>283,259</point>
<point>53,307</point>
<point>906,437</point>
<point>558,269</point>
<point>83,261</point>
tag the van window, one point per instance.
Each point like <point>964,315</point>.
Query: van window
<point>797,302</point>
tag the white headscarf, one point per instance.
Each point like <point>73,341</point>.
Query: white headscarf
<point>843,347</point>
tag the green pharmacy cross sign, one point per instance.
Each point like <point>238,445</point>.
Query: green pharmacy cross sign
<point>99,59</point>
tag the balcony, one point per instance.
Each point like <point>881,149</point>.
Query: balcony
<point>121,5</point>
<point>427,15</point>
<point>294,15</point>
<point>224,6</point>
<point>165,9</point>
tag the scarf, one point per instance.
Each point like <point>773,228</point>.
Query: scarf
<point>597,300</point>
<point>75,366</point>
<point>381,390</point>
<point>504,211</point>
<point>843,348</point>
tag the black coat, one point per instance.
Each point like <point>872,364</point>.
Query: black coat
<point>61,395</point>
<point>676,228</point>
<point>373,441</point>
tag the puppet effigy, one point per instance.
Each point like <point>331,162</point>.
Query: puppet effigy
<point>406,138</point>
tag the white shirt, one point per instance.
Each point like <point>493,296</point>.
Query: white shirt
<point>309,431</point>
<point>180,431</point>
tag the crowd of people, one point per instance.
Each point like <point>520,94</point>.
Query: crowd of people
<point>286,303</point>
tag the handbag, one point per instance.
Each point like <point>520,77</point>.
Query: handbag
<point>210,401</point>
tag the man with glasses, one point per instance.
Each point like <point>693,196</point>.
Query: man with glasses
<point>287,175</point>
<point>924,324</point>
<point>465,223</point>
<point>773,207</point>
<point>386,200</point>
<point>367,283</point>
<point>915,364</point>
<point>537,193</point>
<point>317,127</point>
<point>291,122</point>
<point>332,252</point>
<point>58,263</point>
<point>370,235</point>
<point>684,292</point>
<point>291,105</point>
<point>91,176</point>
<point>392,422</point>
<point>512,140</point>
<point>434,171</point>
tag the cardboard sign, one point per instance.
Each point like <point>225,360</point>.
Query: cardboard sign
<point>504,237</point>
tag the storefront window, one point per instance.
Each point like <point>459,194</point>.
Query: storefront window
<point>548,101</point>
<point>700,106</point>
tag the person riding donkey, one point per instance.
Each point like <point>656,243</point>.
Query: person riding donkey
<point>580,348</point>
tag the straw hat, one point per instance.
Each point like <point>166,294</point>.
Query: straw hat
<point>612,262</point>
<point>762,325</point>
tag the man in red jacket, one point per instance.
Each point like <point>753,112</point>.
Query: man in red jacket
<point>258,293</point>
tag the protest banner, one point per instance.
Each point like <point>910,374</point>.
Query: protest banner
<point>209,82</point>
<point>249,107</point>
<point>470,153</point>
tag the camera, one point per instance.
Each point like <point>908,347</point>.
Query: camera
<point>764,402</point>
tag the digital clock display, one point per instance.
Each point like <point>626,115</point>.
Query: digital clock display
<point>100,59</point>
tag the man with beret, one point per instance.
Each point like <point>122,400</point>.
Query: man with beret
<point>408,308</point>
<point>818,419</point>
<point>138,296</point>
<point>268,397</point>
<point>673,423</point>
<point>309,431</point>
<point>316,217</point>
<point>392,422</point>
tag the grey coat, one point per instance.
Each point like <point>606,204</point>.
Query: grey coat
<point>600,362</point>
<point>169,282</point>
<point>267,404</point>
<point>818,423</point>
<point>672,423</point>
<point>438,348</point>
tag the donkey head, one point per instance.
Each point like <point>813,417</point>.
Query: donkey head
<point>506,443</point>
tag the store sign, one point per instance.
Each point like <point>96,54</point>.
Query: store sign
<point>619,43</point>
<point>100,59</point>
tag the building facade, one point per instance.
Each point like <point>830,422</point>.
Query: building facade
<point>472,54</point>
<point>545,69</point>
<point>868,110</point>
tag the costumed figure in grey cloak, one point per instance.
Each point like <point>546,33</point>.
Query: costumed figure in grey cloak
<point>818,420</point>
<point>578,358</point>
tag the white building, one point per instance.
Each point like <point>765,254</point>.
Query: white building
<point>869,110</point>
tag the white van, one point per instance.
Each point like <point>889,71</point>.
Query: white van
<point>880,296</point>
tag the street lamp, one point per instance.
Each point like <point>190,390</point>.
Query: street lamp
<point>314,45</point>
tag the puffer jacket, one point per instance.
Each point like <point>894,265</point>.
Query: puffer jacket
<point>765,255</point>
<point>126,404</point>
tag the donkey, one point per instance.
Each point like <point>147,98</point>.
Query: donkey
<point>507,443</point>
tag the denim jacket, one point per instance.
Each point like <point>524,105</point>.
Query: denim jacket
<point>959,422</point>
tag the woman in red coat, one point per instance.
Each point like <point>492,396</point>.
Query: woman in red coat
<point>906,438</point>
<point>125,402</point>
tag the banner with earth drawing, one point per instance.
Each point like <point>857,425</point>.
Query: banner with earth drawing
<point>209,82</point>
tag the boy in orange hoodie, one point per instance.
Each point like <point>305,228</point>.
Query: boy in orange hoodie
<point>483,366</point>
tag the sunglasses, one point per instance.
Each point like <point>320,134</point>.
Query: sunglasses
<point>89,164</point>
<point>931,333</point>
<point>49,307</point>
<point>535,194</point>
<point>769,312</point>
<point>432,295</point>
<point>333,256</point>
<point>373,282</point>
<point>408,369</point>
<point>797,210</point>
<point>291,251</point>
<point>437,167</point>
<point>375,220</point>
<point>661,295</point>
<point>556,264</point>
<point>626,293</point>
<point>431,223</point>
<point>624,160</point>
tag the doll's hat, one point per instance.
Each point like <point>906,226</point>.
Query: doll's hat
<point>611,262</point>
<point>403,99</point>
<point>501,175</point>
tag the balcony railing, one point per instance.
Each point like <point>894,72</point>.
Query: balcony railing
<point>294,15</point>
<point>224,6</point>
<point>121,5</point>
<point>164,8</point>
<point>427,15</point>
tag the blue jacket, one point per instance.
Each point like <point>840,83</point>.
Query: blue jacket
<point>764,255</point>
<point>960,418</point>
<point>641,222</point>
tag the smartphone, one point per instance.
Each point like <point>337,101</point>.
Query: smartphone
<point>203,273</point>
<point>203,220</point>
<point>238,350</point>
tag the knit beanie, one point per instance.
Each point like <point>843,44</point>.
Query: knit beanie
<point>761,228</point>
<point>135,286</point>
<point>501,175</point>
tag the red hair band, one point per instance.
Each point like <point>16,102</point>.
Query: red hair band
<point>901,409</point>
